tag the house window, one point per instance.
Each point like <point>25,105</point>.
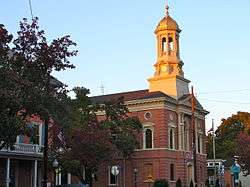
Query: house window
<point>33,135</point>
<point>171,138</point>
<point>113,175</point>
<point>172,178</point>
<point>20,138</point>
<point>148,138</point>
<point>34,129</point>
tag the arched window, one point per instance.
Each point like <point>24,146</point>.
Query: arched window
<point>171,43</point>
<point>164,44</point>
<point>148,138</point>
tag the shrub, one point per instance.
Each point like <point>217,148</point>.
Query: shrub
<point>161,183</point>
<point>178,183</point>
<point>217,183</point>
<point>207,183</point>
<point>191,184</point>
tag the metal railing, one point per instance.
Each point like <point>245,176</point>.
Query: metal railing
<point>25,148</point>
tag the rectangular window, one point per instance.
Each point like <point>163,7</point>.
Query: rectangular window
<point>34,133</point>
<point>20,138</point>
<point>171,138</point>
<point>199,143</point>
<point>172,178</point>
<point>148,138</point>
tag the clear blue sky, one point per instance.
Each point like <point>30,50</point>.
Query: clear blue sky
<point>117,46</point>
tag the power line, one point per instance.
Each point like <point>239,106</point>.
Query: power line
<point>226,102</point>
<point>224,91</point>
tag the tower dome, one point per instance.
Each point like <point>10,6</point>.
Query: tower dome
<point>167,23</point>
<point>169,76</point>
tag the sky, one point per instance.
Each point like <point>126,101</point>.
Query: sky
<point>117,45</point>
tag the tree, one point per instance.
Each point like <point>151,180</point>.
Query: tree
<point>90,141</point>
<point>178,183</point>
<point>161,183</point>
<point>191,184</point>
<point>10,123</point>
<point>123,129</point>
<point>226,134</point>
<point>243,152</point>
<point>27,86</point>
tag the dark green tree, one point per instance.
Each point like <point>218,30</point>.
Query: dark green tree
<point>191,184</point>
<point>91,141</point>
<point>226,135</point>
<point>178,183</point>
<point>123,129</point>
<point>161,183</point>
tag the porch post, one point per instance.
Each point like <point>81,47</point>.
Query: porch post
<point>35,174</point>
<point>69,178</point>
<point>8,173</point>
<point>59,177</point>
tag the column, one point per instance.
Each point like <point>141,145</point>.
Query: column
<point>180,147</point>
<point>69,178</point>
<point>168,47</point>
<point>8,173</point>
<point>59,177</point>
<point>35,174</point>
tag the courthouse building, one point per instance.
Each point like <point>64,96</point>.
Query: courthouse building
<point>164,109</point>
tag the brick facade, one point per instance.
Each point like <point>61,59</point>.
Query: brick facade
<point>164,115</point>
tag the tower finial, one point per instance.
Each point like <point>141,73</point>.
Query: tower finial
<point>167,8</point>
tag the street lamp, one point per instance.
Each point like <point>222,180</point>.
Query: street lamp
<point>55,166</point>
<point>135,175</point>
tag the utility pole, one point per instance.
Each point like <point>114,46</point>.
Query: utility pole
<point>214,151</point>
<point>31,12</point>
<point>194,136</point>
<point>45,153</point>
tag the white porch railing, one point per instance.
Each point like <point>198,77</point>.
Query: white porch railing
<point>25,148</point>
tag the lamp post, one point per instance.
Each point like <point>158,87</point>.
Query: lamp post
<point>135,176</point>
<point>55,166</point>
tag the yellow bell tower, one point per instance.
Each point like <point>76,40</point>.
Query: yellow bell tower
<point>169,76</point>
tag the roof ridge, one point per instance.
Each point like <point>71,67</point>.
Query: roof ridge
<point>120,93</point>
